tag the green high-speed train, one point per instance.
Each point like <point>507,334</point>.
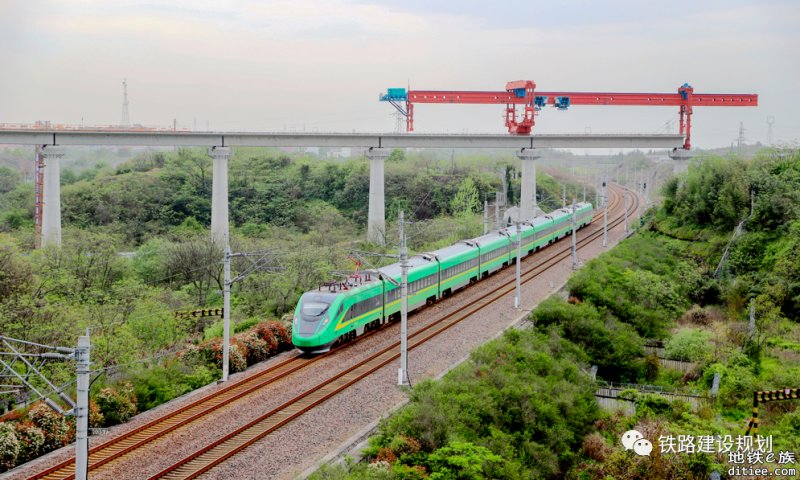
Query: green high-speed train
<point>341,311</point>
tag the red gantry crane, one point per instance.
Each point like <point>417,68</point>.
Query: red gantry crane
<point>522,92</point>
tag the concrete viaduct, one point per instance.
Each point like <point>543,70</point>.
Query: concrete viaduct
<point>378,148</point>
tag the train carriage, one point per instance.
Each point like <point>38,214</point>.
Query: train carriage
<point>344,310</point>
<point>495,250</point>
<point>539,225</point>
<point>458,266</point>
<point>423,284</point>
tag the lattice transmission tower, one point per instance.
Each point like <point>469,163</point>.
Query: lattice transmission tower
<point>740,139</point>
<point>770,122</point>
<point>126,121</point>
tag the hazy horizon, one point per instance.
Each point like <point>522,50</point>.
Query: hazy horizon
<point>319,66</point>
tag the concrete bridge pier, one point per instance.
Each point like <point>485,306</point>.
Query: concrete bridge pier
<point>219,195</point>
<point>528,205</point>
<point>51,209</point>
<point>681,157</point>
<point>376,218</point>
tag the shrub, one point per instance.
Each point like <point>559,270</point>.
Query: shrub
<point>116,405</point>
<point>237,361</point>
<point>210,354</point>
<point>216,330</point>
<point>610,345</point>
<point>264,332</point>
<point>651,367</point>
<point>54,426</point>
<point>282,336</point>
<point>31,441</point>
<point>200,377</point>
<point>696,315</point>
<point>522,398</point>
<point>96,418</point>
<point>158,384</point>
<point>463,461</point>
<point>9,446</point>
<point>245,325</point>
<point>595,447</point>
<point>258,350</point>
<point>689,344</point>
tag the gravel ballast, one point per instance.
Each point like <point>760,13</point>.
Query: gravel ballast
<point>299,446</point>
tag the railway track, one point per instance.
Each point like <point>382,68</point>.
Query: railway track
<point>117,447</point>
<point>229,445</point>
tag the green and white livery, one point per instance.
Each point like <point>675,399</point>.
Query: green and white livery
<point>340,311</point>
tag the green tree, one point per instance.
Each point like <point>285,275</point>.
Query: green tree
<point>463,461</point>
<point>467,199</point>
<point>397,155</point>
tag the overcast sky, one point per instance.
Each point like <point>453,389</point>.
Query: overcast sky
<point>320,65</point>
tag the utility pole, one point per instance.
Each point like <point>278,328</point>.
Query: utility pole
<point>518,296</point>
<point>564,194</point>
<point>402,373</point>
<point>605,211</point>
<point>82,408</point>
<point>497,210</point>
<point>584,192</point>
<point>639,208</point>
<point>226,312</point>
<point>485,216</point>
<point>597,191</point>
<point>261,264</point>
<point>45,389</point>
<point>646,199</point>
<point>574,242</point>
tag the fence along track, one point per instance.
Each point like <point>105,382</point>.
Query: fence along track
<point>220,450</point>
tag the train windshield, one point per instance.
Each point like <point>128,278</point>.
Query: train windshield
<point>314,308</point>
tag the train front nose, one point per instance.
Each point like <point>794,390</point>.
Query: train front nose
<point>309,332</point>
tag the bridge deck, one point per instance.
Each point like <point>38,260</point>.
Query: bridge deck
<point>384,140</point>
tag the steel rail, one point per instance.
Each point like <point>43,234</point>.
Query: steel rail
<point>218,451</point>
<point>138,437</point>
<point>119,446</point>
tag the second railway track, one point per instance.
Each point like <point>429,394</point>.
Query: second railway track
<point>229,445</point>
<point>234,442</point>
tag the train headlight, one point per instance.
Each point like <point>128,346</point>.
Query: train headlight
<point>326,320</point>
<point>294,323</point>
